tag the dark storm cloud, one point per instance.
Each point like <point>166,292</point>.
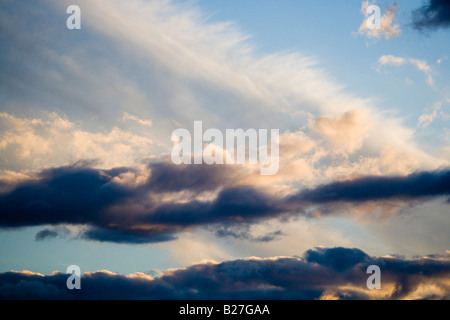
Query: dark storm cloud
<point>231,205</point>
<point>339,271</point>
<point>115,212</point>
<point>168,177</point>
<point>126,213</point>
<point>376,188</point>
<point>127,236</point>
<point>432,15</point>
<point>339,258</point>
<point>72,194</point>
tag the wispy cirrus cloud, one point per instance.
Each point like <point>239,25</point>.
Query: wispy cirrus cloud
<point>215,72</point>
<point>420,65</point>
<point>143,122</point>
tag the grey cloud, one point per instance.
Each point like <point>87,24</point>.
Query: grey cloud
<point>340,271</point>
<point>242,232</point>
<point>44,234</point>
<point>81,195</point>
<point>378,188</point>
<point>432,15</point>
<point>114,212</point>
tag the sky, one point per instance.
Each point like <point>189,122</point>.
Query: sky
<point>86,177</point>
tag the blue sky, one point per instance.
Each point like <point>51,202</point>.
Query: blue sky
<point>326,31</point>
<point>95,108</point>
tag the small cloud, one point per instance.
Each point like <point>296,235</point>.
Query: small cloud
<point>388,28</point>
<point>129,117</point>
<point>442,59</point>
<point>420,65</point>
<point>48,234</point>
<point>346,131</point>
<point>242,232</point>
<point>271,236</point>
<point>391,60</point>
<point>427,118</point>
<point>423,66</point>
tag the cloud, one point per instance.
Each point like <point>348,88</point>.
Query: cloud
<point>167,177</point>
<point>345,131</point>
<point>33,143</point>
<point>420,65</point>
<point>322,273</point>
<point>143,122</point>
<point>128,236</point>
<point>442,59</point>
<point>436,113</point>
<point>242,232</point>
<point>212,67</point>
<point>215,72</point>
<point>378,188</point>
<point>66,194</point>
<point>433,14</point>
<point>46,234</point>
<point>391,60</point>
<point>52,233</point>
<point>339,259</point>
<point>117,211</point>
<point>426,119</point>
<point>388,28</point>
<point>128,206</point>
<point>423,66</point>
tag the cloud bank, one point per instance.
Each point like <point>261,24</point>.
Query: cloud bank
<point>161,200</point>
<point>322,273</point>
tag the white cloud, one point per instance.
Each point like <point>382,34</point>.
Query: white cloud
<point>420,65</point>
<point>427,118</point>
<point>345,131</point>
<point>442,59</point>
<point>34,143</point>
<point>143,122</point>
<point>423,66</point>
<point>391,60</point>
